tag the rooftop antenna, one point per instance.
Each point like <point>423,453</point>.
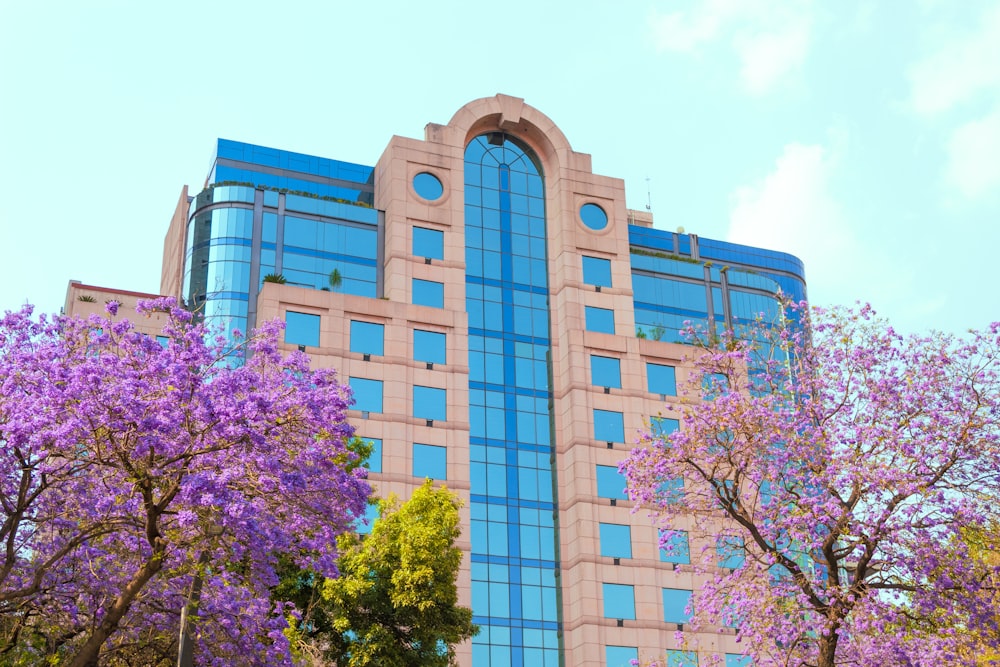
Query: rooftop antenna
<point>649,197</point>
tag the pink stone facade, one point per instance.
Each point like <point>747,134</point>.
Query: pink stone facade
<point>570,183</point>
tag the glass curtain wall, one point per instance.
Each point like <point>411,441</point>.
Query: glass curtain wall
<point>303,239</point>
<point>514,537</point>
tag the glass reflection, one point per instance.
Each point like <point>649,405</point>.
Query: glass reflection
<point>428,186</point>
<point>593,216</point>
<point>513,529</point>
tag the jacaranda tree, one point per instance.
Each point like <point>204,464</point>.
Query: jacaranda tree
<point>836,467</point>
<point>131,470</point>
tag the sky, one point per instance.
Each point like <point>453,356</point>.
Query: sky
<point>861,136</point>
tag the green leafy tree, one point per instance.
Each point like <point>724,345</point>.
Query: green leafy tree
<point>396,602</point>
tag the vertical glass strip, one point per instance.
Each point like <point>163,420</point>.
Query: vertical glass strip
<point>514,529</point>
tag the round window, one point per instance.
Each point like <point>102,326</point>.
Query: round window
<point>593,216</point>
<point>428,186</point>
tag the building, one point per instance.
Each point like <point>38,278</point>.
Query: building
<point>507,326</point>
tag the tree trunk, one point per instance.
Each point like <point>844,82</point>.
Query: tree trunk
<point>91,651</point>
<point>827,650</point>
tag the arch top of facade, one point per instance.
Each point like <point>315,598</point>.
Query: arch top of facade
<point>511,115</point>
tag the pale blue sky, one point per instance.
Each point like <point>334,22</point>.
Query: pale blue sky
<point>863,137</point>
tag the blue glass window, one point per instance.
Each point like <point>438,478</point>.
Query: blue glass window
<point>609,426</point>
<point>506,288</point>
<point>605,371</point>
<point>675,601</point>
<point>301,329</point>
<point>367,338</point>
<point>714,384</point>
<point>367,394</point>
<point>601,320</point>
<point>374,460</point>
<point>428,293</point>
<point>619,601</point>
<point>610,483</point>
<point>164,341</point>
<point>730,552</point>
<point>621,656</point>
<point>672,490</point>
<point>661,379</point>
<point>429,346</point>
<point>616,540</point>
<point>663,426</point>
<point>430,403</point>
<point>428,186</point>
<point>737,660</point>
<point>430,461</point>
<point>428,243</point>
<point>597,271</point>
<point>680,548</point>
<point>678,658</point>
<point>593,216</point>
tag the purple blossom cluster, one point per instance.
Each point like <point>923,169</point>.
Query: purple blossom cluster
<point>128,468</point>
<point>861,471</point>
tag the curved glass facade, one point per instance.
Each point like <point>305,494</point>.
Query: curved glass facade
<point>278,169</point>
<point>671,291</point>
<point>304,239</point>
<point>514,538</point>
<point>217,266</point>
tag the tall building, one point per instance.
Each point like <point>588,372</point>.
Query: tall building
<point>508,327</point>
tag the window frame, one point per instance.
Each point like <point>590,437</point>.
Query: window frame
<point>681,542</point>
<point>610,604</point>
<point>422,393</point>
<point>420,291</point>
<point>671,598</point>
<point>596,319</point>
<point>609,425</point>
<point>604,472</point>
<point>427,238</point>
<point>376,455</point>
<point>422,452</point>
<point>615,540</point>
<point>363,334</point>
<point>670,384</point>
<point>620,660</point>
<point>426,335</point>
<point>295,322</point>
<point>730,551</point>
<point>354,389</point>
<point>596,271</point>
<point>608,368</point>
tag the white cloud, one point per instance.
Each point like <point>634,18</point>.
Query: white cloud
<point>961,76</point>
<point>960,69</point>
<point>686,31</point>
<point>793,209</point>
<point>974,156</point>
<point>770,56</point>
<point>770,37</point>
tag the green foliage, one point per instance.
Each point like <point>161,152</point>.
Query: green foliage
<point>663,255</point>
<point>396,602</point>
<point>335,279</point>
<point>275,278</point>
<point>86,298</point>
<point>301,193</point>
<point>656,333</point>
